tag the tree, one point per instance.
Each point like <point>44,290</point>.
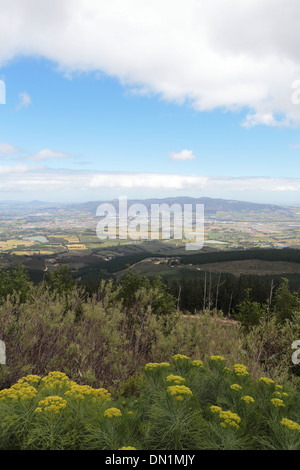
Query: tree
<point>15,281</point>
<point>60,280</point>
<point>249,312</point>
<point>286,303</point>
<point>158,297</point>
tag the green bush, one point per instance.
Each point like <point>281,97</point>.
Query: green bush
<point>182,404</point>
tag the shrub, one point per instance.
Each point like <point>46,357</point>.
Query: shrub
<point>181,404</point>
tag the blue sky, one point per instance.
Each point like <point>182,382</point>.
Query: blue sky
<point>76,131</point>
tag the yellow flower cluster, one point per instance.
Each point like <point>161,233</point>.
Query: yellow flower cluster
<point>228,418</point>
<point>178,391</point>
<point>30,379</point>
<point>266,380</point>
<point>215,409</point>
<point>278,387</point>
<point>51,403</point>
<point>177,379</point>
<point>179,356</point>
<point>155,365</point>
<point>20,391</point>
<point>290,424</point>
<point>54,379</point>
<point>240,370</point>
<point>112,412</point>
<point>81,391</point>
<point>127,448</point>
<point>236,387</point>
<point>198,363</point>
<point>248,399</point>
<point>277,402</point>
<point>217,358</point>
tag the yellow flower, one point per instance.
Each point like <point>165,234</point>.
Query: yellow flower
<point>290,424</point>
<point>156,365</point>
<point>82,391</point>
<point>176,390</point>
<point>179,397</point>
<point>215,409</point>
<point>198,363</point>
<point>177,379</point>
<point>248,399</point>
<point>266,380</point>
<point>112,412</point>
<point>30,379</point>
<point>240,370</point>
<point>229,419</point>
<point>179,356</point>
<point>21,390</point>
<point>130,413</point>
<point>278,387</point>
<point>55,379</point>
<point>127,448</point>
<point>277,402</point>
<point>51,403</point>
<point>217,358</point>
<point>236,387</point>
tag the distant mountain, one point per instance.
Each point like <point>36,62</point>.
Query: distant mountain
<point>211,205</point>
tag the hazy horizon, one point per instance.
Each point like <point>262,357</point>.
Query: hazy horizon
<point>59,202</point>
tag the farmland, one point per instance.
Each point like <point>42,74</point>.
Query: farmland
<point>42,236</point>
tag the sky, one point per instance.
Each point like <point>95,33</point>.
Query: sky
<point>145,99</point>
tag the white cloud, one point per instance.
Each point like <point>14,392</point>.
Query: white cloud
<point>209,53</point>
<point>24,101</point>
<point>47,154</point>
<point>22,178</point>
<point>183,155</point>
<point>8,149</point>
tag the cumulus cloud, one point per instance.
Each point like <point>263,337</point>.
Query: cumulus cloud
<point>24,101</point>
<point>7,149</point>
<point>211,54</point>
<point>183,155</point>
<point>47,154</point>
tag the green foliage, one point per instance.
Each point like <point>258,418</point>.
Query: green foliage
<point>249,313</point>
<point>15,281</point>
<point>182,404</point>
<point>96,340</point>
<point>60,280</point>
<point>133,286</point>
<point>286,303</point>
<point>106,339</point>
